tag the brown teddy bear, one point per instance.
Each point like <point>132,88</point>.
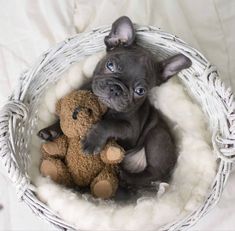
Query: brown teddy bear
<point>63,158</point>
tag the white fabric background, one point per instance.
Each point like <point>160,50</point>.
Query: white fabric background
<point>27,28</point>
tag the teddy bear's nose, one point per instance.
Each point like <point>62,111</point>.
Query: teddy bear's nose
<point>75,113</point>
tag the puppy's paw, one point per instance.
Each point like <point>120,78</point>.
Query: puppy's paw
<point>48,135</point>
<point>90,147</point>
<point>92,144</point>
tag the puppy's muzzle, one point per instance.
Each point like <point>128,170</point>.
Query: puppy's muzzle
<point>115,90</point>
<point>112,86</point>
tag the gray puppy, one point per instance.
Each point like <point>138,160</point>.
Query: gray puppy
<point>122,81</point>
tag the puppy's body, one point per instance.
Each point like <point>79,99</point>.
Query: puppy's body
<point>122,80</point>
<point>150,148</point>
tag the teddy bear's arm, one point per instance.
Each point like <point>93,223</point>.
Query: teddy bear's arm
<point>57,148</point>
<point>112,153</point>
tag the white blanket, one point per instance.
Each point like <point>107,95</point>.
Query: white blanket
<point>27,28</point>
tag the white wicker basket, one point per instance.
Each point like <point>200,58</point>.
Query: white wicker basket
<point>17,117</point>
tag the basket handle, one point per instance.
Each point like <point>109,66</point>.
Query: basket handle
<point>225,148</point>
<point>10,114</point>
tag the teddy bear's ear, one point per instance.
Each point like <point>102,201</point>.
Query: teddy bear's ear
<point>58,107</point>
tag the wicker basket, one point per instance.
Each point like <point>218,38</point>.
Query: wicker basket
<point>17,117</point>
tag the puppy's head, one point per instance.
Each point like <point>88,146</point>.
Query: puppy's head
<point>123,78</point>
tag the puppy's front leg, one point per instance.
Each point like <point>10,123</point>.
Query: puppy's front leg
<point>97,137</point>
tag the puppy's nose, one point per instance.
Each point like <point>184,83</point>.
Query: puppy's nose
<point>115,90</point>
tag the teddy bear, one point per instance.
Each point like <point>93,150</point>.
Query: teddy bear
<point>64,160</point>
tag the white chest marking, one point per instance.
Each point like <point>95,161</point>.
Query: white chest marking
<point>135,162</point>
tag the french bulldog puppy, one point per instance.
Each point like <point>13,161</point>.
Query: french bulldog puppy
<point>122,81</point>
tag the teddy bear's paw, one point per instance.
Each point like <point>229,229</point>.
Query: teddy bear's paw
<point>49,168</point>
<point>112,155</point>
<point>103,189</point>
<point>57,171</point>
<point>51,148</point>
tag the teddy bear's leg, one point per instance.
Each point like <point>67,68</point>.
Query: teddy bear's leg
<point>112,153</point>
<point>56,170</point>
<point>56,148</point>
<point>105,184</point>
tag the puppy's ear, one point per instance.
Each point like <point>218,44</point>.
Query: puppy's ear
<point>122,34</point>
<point>171,66</point>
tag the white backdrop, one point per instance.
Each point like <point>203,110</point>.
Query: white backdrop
<point>27,28</point>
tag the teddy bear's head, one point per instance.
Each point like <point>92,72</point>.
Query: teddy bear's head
<point>78,111</point>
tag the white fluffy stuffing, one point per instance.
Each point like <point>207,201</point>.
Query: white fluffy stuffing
<point>192,177</point>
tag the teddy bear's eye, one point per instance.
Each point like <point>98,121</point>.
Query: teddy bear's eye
<point>75,113</point>
<point>89,111</point>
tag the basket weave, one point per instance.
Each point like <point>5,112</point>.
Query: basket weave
<point>18,120</point>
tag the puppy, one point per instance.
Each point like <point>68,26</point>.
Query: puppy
<point>122,81</point>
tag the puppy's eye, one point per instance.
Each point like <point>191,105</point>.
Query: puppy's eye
<point>140,91</point>
<point>110,65</point>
